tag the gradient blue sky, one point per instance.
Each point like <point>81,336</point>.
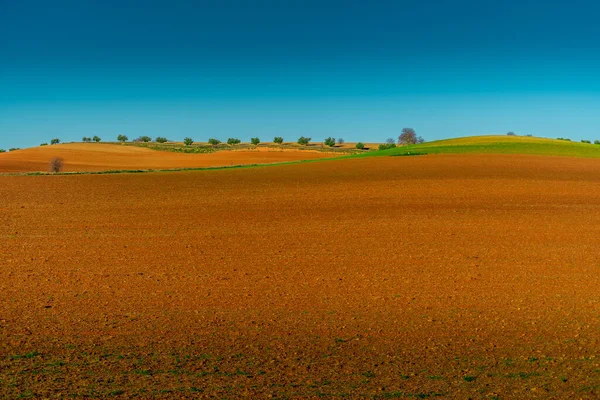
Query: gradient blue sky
<point>361,70</point>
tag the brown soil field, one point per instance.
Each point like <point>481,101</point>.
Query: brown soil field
<point>102,157</point>
<point>451,276</point>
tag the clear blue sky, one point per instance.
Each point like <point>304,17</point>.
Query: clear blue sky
<point>361,70</point>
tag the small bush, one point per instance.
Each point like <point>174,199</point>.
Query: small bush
<point>278,139</point>
<point>255,141</point>
<point>585,141</point>
<point>596,141</point>
<point>304,140</point>
<point>55,141</point>
<point>188,141</point>
<point>2,151</point>
<point>529,135</point>
<point>360,145</point>
<point>387,146</point>
<point>160,139</point>
<point>214,141</point>
<point>96,139</point>
<point>233,141</point>
<point>86,139</point>
<point>43,144</point>
<point>566,139</point>
<point>14,149</point>
<point>330,141</point>
<point>122,138</point>
<point>56,164</point>
<point>511,134</point>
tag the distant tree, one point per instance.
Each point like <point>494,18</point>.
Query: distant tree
<point>511,134</point>
<point>96,139</point>
<point>55,141</point>
<point>188,141</point>
<point>14,149</point>
<point>596,141</point>
<point>145,139</point>
<point>255,141</point>
<point>420,140</point>
<point>529,135</point>
<point>341,141</point>
<point>86,139</point>
<point>160,139</point>
<point>387,146</point>
<point>304,140</point>
<point>278,139</point>
<point>408,136</point>
<point>233,141</point>
<point>122,138</point>
<point>360,145</point>
<point>56,164</point>
<point>43,144</point>
<point>214,141</point>
<point>2,151</point>
<point>585,141</point>
<point>330,141</point>
<point>390,141</point>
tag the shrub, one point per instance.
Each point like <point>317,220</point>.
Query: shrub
<point>330,141</point>
<point>56,164</point>
<point>2,151</point>
<point>122,138</point>
<point>14,149</point>
<point>529,135</point>
<point>86,139</point>
<point>304,140</point>
<point>511,134</point>
<point>188,141</point>
<point>278,139</point>
<point>341,141</point>
<point>233,141</point>
<point>43,144</point>
<point>387,146</point>
<point>55,141</point>
<point>255,141</point>
<point>160,139</point>
<point>214,141</point>
<point>96,139</point>
<point>596,141</point>
<point>567,139</point>
<point>360,145</point>
<point>585,141</point>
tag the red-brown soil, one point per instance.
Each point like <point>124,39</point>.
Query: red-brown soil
<point>103,157</point>
<point>454,276</point>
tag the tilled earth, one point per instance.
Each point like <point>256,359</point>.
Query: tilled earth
<point>397,277</point>
<point>97,157</point>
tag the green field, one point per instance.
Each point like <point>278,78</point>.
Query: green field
<point>499,145</point>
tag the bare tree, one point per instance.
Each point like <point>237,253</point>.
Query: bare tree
<point>341,141</point>
<point>390,141</point>
<point>408,136</point>
<point>56,164</point>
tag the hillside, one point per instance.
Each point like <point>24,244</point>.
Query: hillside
<point>102,157</point>
<point>501,145</point>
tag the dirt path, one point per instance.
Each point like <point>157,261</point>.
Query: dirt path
<point>458,276</point>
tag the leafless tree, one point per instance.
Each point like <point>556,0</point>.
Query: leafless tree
<point>56,164</point>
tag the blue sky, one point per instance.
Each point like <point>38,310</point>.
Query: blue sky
<point>361,70</point>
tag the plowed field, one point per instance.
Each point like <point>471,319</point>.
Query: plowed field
<point>103,157</point>
<point>457,276</point>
